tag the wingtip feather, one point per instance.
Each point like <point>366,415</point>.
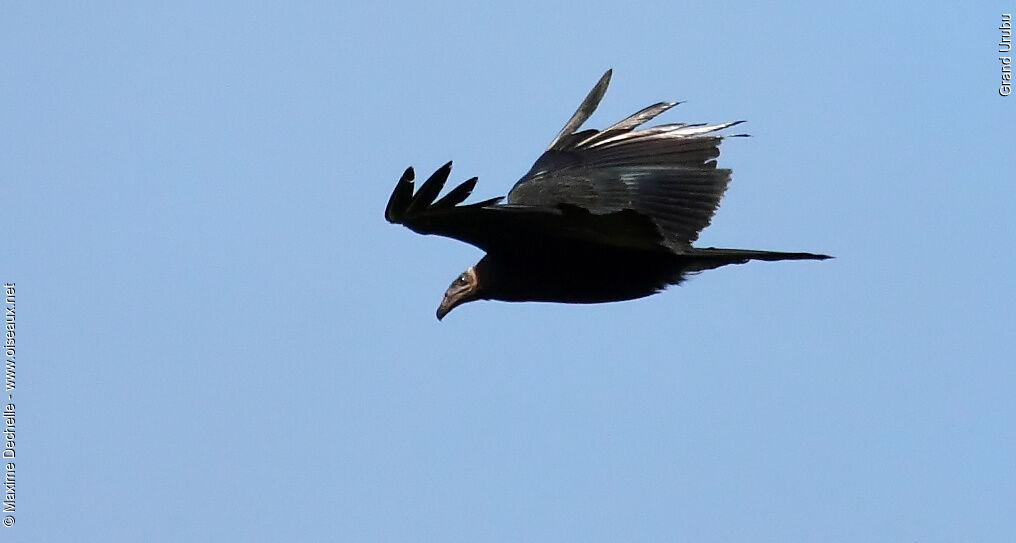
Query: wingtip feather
<point>401,197</point>
<point>430,189</point>
<point>586,108</point>
<point>457,195</point>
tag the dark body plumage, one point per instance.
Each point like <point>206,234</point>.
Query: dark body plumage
<point>601,216</point>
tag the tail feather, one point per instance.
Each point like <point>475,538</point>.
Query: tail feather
<point>709,258</point>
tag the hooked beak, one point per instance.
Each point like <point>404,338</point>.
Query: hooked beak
<point>463,289</point>
<point>446,306</point>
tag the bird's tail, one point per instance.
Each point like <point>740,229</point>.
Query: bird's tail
<point>707,259</point>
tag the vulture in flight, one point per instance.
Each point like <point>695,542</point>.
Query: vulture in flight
<point>602,216</point>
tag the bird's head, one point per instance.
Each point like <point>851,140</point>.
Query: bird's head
<point>465,288</point>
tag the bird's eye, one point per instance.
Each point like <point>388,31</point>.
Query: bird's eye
<point>462,280</point>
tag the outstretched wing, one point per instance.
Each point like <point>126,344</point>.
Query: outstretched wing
<point>519,228</point>
<point>666,173</point>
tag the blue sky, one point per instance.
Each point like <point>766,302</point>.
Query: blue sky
<point>220,337</point>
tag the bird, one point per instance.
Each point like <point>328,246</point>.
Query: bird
<point>602,216</point>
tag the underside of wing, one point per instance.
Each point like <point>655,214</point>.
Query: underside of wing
<point>511,228</point>
<point>666,173</point>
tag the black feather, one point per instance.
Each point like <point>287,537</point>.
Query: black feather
<point>430,189</point>
<point>586,108</point>
<point>457,195</point>
<point>401,196</point>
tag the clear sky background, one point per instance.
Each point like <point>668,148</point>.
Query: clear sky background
<point>220,338</point>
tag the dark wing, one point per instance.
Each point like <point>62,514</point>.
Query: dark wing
<point>666,173</point>
<point>523,228</point>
